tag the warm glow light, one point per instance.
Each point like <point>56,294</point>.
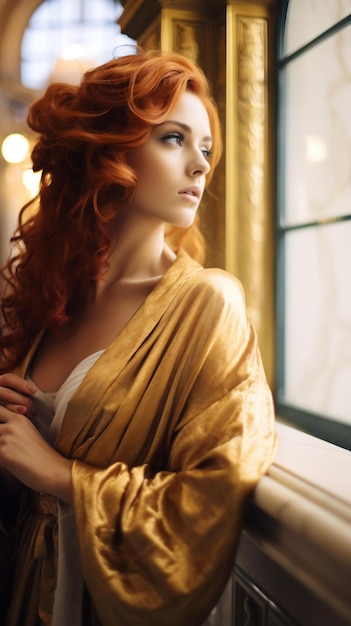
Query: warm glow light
<point>73,51</point>
<point>70,70</point>
<point>14,148</point>
<point>31,181</point>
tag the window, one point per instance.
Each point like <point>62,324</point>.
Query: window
<point>65,37</point>
<point>314,218</point>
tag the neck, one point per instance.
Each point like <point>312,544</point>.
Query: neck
<point>138,251</point>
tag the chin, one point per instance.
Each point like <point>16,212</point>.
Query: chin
<point>185,220</point>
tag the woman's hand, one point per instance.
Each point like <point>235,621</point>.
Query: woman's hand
<point>23,451</point>
<point>15,394</point>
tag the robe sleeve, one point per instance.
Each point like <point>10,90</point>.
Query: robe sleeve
<point>158,548</point>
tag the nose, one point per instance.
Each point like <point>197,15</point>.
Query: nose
<point>198,164</point>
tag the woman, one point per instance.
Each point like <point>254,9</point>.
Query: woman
<point>135,417</point>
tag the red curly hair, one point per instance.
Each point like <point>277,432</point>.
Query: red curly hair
<point>85,133</point>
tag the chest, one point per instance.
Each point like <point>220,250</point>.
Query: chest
<point>91,331</point>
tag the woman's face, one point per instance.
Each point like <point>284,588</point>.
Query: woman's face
<point>172,164</point>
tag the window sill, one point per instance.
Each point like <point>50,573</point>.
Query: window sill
<point>314,470</point>
<point>296,544</point>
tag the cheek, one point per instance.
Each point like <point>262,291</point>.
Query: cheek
<point>149,179</point>
<point>155,174</point>
<point>154,171</point>
<point>146,170</point>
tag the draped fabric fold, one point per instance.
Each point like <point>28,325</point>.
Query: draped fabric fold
<point>170,431</point>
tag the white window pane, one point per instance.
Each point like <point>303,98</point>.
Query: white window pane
<point>62,30</point>
<point>40,43</point>
<point>46,12</point>
<point>36,75</point>
<point>306,19</point>
<point>318,132</point>
<point>69,11</point>
<point>318,320</point>
<point>103,10</point>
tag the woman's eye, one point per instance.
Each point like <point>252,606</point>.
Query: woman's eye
<point>174,138</point>
<point>177,139</point>
<point>207,152</point>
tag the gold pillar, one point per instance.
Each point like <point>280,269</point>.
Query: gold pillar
<point>175,25</point>
<point>249,155</point>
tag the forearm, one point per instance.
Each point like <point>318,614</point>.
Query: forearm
<point>30,459</point>
<point>58,482</point>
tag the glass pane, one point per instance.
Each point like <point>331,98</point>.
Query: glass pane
<point>318,320</point>
<point>70,11</point>
<point>37,44</point>
<point>306,19</point>
<point>31,72</point>
<point>318,132</point>
<point>46,12</point>
<point>71,36</point>
<point>102,11</point>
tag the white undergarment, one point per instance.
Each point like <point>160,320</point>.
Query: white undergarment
<point>50,409</point>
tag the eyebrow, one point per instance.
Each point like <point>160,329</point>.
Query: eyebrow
<point>186,128</point>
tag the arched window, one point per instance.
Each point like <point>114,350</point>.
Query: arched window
<point>314,218</point>
<point>63,38</point>
<point>57,41</point>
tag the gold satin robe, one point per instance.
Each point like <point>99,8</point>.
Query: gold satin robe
<point>170,431</point>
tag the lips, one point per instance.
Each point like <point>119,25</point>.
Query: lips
<point>191,192</point>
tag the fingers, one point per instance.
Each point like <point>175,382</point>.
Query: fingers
<point>7,416</point>
<point>10,418</point>
<point>12,432</point>
<point>15,393</point>
<point>17,384</point>
<point>26,409</point>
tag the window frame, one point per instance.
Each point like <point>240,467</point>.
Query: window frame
<point>316,424</point>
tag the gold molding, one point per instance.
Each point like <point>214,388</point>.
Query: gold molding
<point>251,136</point>
<point>151,37</point>
<point>137,17</point>
<point>256,5</point>
<point>186,38</point>
<point>249,165</point>
<point>187,32</point>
